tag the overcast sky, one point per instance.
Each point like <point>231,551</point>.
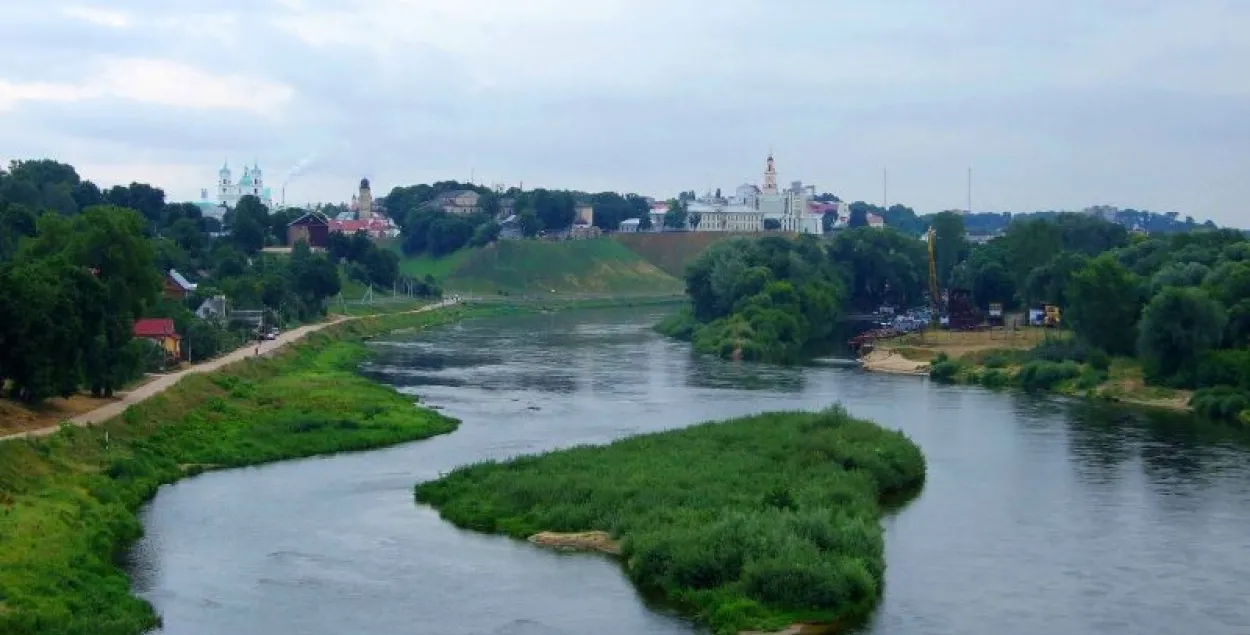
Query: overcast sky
<point>1055,104</point>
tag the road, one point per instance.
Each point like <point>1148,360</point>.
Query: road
<point>162,382</point>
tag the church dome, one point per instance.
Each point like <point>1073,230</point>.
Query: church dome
<point>364,184</point>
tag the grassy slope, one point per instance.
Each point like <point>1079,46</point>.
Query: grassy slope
<point>528,267</point>
<point>672,251</point>
<point>751,523</point>
<point>68,502</point>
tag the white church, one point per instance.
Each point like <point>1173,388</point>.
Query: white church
<point>229,191</point>
<point>752,206</point>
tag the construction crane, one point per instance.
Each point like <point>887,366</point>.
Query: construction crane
<point>933,281</point>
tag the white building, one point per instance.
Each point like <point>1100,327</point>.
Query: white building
<point>750,207</point>
<point>251,182</point>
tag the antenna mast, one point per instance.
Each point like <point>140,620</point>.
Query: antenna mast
<point>885,189</point>
<point>969,190</point>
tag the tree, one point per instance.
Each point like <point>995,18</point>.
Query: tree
<point>827,221</point>
<point>1178,327</point>
<point>249,224</point>
<point>644,221</point>
<point>858,217</point>
<point>772,224</point>
<point>530,224</point>
<point>486,234</point>
<point>1105,304</point>
<point>950,246</point>
<point>676,216</point>
<point>694,220</point>
<point>1229,284</point>
<point>382,267</point>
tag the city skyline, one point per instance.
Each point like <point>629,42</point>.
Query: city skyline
<point>1058,107</point>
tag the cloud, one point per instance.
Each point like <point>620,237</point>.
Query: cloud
<point>97,16</point>
<point>1055,105</point>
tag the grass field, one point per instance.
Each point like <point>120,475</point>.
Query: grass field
<point>68,501</point>
<point>671,251</point>
<point>753,523</point>
<point>530,267</point>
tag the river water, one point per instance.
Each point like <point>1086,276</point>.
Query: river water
<point>1040,516</point>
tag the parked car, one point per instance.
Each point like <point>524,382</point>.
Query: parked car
<point>272,334</point>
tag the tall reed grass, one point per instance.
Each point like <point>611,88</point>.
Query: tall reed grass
<point>750,523</point>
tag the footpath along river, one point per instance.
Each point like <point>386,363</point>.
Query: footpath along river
<point>1040,515</point>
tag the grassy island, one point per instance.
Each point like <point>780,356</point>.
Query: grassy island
<point>752,523</point>
<point>68,502</point>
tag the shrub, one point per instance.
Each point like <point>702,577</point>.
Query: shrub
<point>994,378</point>
<point>1059,350</point>
<point>1221,402</point>
<point>943,369</point>
<point>1045,375</point>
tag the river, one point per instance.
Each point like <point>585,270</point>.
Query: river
<point>1039,516</point>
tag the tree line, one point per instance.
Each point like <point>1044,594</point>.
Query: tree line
<point>78,265</point>
<point>428,229</point>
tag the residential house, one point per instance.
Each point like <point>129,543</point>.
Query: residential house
<point>875,221</point>
<point>312,228</point>
<point>376,227</point>
<point>629,225</point>
<point>161,331</point>
<point>458,202</point>
<point>176,286</point>
<point>213,308</point>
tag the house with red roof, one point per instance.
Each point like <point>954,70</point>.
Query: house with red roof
<point>161,331</point>
<point>376,227</point>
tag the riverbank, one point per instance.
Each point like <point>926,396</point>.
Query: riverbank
<point>1034,359</point>
<point>68,501</point>
<point>753,523</point>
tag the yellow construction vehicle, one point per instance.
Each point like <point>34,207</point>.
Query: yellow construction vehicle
<point>1053,316</point>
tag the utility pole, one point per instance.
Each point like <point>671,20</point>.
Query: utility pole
<point>969,190</point>
<point>885,189</point>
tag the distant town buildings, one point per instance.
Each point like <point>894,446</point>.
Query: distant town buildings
<point>458,202</point>
<point>754,209</point>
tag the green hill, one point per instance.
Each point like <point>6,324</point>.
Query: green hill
<point>528,267</point>
<point>673,250</point>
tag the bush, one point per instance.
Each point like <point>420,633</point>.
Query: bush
<point>943,368</point>
<point>1045,375</point>
<point>994,378</point>
<point>1064,349</point>
<point>1221,402</point>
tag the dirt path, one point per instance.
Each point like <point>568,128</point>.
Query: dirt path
<point>158,385</point>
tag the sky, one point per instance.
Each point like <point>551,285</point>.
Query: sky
<point>1059,104</point>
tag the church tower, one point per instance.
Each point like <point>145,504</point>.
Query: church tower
<point>770,176</point>
<point>223,182</point>
<point>365,201</point>
<point>258,184</point>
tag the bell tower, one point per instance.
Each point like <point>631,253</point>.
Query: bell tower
<point>365,201</point>
<point>770,176</point>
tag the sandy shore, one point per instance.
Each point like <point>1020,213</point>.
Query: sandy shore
<point>585,541</point>
<point>887,361</point>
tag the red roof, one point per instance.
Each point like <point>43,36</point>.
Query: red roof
<point>154,327</point>
<point>374,225</point>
